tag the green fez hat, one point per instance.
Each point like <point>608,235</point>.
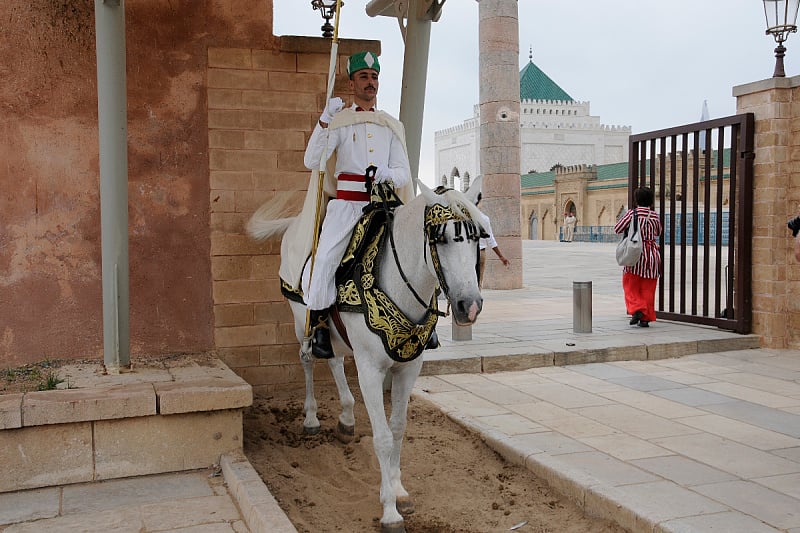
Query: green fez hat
<point>362,60</point>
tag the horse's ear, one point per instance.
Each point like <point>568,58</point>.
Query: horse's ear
<point>430,196</point>
<point>474,190</point>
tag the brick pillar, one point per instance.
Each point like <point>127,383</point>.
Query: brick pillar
<point>499,136</point>
<point>262,107</point>
<point>775,102</point>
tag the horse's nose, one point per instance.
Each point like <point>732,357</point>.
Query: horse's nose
<point>470,308</point>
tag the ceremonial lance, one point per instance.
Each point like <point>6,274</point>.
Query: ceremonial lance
<point>306,348</point>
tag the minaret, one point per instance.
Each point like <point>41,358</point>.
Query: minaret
<point>498,52</point>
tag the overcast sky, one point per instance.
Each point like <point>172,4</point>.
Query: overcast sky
<point>640,63</point>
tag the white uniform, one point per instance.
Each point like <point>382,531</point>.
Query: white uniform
<point>487,242</point>
<point>357,147</point>
<point>569,227</point>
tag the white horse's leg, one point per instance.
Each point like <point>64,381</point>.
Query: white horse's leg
<point>403,378</point>
<point>311,422</point>
<point>345,430</point>
<point>371,372</point>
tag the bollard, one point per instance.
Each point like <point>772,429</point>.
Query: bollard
<point>581,306</point>
<point>461,333</point>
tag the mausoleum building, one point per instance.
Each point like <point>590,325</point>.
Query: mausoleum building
<point>555,129</point>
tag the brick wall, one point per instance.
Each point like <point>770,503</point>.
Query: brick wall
<point>776,198</point>
<point>262,107</point>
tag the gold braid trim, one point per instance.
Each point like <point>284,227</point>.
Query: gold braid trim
<point>438,214</point>
<point>290,293</point>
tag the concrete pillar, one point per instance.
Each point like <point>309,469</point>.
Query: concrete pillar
<point>113,134</point>
<point>499,136</point>
<point>775,102</point>
<point>415,68</point>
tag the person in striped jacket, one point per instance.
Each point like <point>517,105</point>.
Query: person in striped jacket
<point>639,281</point>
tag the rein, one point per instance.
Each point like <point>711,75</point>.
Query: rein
<point>436,219</point>
<point>435,224</point>
<point>384,193</point>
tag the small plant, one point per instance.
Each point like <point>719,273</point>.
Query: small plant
<point>31,377</point>
<point>51,381</point>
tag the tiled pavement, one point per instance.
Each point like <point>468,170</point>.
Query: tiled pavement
<point>706,442</point>
<point>680,428</point>
<point>675,428</point>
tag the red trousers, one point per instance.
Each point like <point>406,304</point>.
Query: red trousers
<point>640,295</point>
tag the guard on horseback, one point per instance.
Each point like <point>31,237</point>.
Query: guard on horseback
<point>350,141</point>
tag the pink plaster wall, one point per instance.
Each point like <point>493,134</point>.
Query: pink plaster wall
<point>50,262</point>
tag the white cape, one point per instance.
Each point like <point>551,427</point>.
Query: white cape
<point>299,237</point>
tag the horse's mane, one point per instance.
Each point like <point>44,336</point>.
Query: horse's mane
<point>273,217</point>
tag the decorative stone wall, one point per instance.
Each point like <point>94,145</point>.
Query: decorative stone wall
<point>595,206</point>
<point>775,102</point>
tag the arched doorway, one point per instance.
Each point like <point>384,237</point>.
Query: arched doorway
<point>533,225</point>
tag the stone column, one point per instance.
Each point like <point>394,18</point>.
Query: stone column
<point>500,137</point>
<point>775,102</point>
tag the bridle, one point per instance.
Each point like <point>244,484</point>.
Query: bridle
<point>435,225</point>
<point>436,218</point>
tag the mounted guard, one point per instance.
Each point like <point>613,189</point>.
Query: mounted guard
<point>349,141</point>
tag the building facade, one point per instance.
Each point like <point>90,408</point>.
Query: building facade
<point>596,194</point>
<point>555,130</point>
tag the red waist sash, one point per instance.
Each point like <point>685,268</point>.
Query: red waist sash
<point>351,187</point>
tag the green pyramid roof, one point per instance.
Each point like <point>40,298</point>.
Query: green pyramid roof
<point>536,85</point>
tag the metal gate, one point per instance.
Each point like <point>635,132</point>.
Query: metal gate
<point>702,177</point>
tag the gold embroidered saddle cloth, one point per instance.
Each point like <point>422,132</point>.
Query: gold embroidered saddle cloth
<point>357,291</point>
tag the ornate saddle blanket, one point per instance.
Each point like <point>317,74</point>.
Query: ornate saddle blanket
<point>357,291</point>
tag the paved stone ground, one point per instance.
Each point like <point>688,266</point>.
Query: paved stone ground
<point>709,441</point>
<point>229,497</point>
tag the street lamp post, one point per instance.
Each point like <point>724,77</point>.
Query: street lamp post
<point>781,21</point>
<point>328,11</point>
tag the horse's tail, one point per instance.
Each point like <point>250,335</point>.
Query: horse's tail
<point>274,217</point>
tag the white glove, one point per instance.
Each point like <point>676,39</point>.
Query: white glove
<point>383,174</point>
<point>335,105</point>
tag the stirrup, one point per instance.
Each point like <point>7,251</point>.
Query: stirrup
<point>433,341</point>
<point>321,343</point>
<point>321,336</point>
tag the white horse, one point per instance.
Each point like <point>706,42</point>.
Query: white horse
<point>427,257</point>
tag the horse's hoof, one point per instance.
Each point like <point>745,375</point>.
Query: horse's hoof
<point>344,433</point>
<point>405,506</point>
<point>397,527</point>
<point>311,430</point>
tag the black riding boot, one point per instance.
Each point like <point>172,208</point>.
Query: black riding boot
<point>433,342</point>
<point>321,336</point>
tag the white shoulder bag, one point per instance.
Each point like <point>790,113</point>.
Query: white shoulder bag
<point>629,249</point>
